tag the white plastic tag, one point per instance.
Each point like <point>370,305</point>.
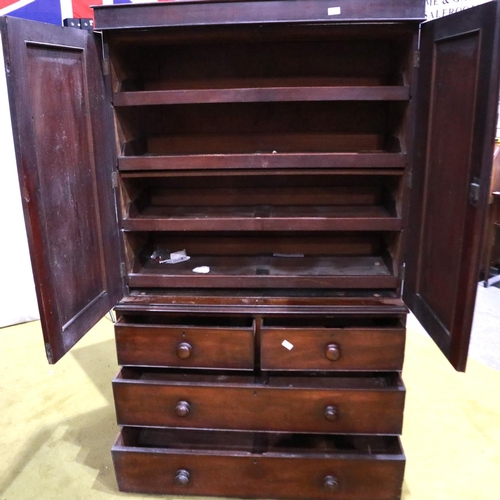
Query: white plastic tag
<point>287,345</point>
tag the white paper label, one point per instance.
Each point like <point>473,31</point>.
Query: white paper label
<point>334,11</point>
<point>287,345</point>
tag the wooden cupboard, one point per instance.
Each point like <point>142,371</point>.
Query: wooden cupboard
<point>259,188</point>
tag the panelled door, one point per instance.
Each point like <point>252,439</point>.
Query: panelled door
<point>457,97</point>
<point>63,139</point>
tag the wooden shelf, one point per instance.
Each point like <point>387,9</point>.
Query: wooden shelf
<point>268,272</point>
<point>262,160</point>
<point>283,93</point>
<point>255,218</point>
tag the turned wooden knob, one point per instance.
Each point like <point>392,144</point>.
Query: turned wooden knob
<point>333,352</point>
<point>331,483</point>
<point>182,409</point>
<point>182,477</point>
<point>184,350</point>
<point>331,413</point>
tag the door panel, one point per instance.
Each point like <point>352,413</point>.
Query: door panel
<point>59,120</point>
<point>456,116</point>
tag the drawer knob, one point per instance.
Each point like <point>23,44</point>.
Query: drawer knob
<point>333,352</point>
<point>331,413</point>
<point>184,350</point>
<point>331,483</point>
<point>182,477</point>
<point>182,409</point>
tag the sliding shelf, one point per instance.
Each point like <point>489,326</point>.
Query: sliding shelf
<point>267,272</point>
<point>262,161</point>
<point>258,218</point>
<point>277,134</point>
<point>335,200</point>
<point>288,92</point>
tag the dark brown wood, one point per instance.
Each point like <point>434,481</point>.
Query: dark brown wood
<point>335,349</point>
<point>206,347</point>
<point>267,218</point>
<point>262,202</point>
<point>276,160</point>
<point>192,13</point>
<point>267,272</point>
<point>60,133</point>
<point>322,66</point>
<point>363,404</point>
<point>227,259</point>
<point>224,464</point>
<point>261,128</point>
<point>453,147</point>
<point>289,93</point>
<point>331,303</point>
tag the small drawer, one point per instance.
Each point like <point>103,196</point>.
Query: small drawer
<point>349,345</point>
<point>224,343</point>
<point>364,404</point>
<point>308,467</point>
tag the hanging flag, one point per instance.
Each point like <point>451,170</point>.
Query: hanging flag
<point>50,11</point>
<point>55,11</point>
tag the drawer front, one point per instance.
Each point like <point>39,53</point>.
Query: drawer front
<point>326,349</point>
<point>185,347</point>
<point>260,407</point>
<point>230,473</point>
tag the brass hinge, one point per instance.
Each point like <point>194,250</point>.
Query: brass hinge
<point>474,188</point>
<point>123,270</point>
<point>114,179</point>
<point>416,59</point>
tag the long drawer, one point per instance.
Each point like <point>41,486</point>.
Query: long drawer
<point>363,403</point>
<point>220,343</point>
<point>291,344</point>
<point>162,461</point>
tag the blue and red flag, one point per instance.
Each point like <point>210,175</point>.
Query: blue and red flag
<point>54,11</point>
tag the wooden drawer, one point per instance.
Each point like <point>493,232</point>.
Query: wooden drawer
<point>338,404</point>
<point>369,345</point>
<point>160,461</point>
<point>187,343</point>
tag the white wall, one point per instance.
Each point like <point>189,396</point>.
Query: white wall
<point>17,290</point>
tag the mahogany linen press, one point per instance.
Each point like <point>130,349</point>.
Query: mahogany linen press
<point>260,189</point>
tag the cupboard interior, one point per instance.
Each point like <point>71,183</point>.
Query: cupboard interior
<point>261,128</point>
<point>157,202</point>
<point>279,259</point>
<point>294,56</point>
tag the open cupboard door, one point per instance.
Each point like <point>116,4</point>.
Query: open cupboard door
<point>456,117</point>
<point>60,127</point>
